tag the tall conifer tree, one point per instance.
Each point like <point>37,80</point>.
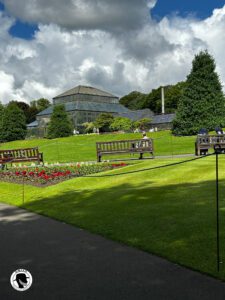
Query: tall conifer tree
<point>1,121</point>
<point>202,104</point>
<point>13,124</point>
<point>60,124</point>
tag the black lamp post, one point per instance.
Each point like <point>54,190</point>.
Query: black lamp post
<point>218,150</point>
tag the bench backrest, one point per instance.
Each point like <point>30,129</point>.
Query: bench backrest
<point>210,140</point>
<point>125,145</point>
<point>20,153</point>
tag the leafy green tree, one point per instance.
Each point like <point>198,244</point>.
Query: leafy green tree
<point>142,124</point>
<point>153,101</point>
<point>88,127</point>
<point>22,105</point>
<point>60,125</point>
<point>31,114</point>
<point>29,111</point>
<point>134,100</point>
<point>40,104</point>
<point>121,123</point>
<point>202,104</point>
<point>13,124</point>
<point>173,94</point>
<point>103,122</point>
<point>1,119</point>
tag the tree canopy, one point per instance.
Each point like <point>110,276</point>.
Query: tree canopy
<point>40,104</point>
<point>32,109</point>
<point>13,126</point>
<point>29,111</point>
<point>60,125</point>
<point>1,117</point>
<point>202,104</point>
<point>88,127</point>
<point>103,122</point>
<point>136,100</point>
<point>121,123</point>
<point>142,124</point>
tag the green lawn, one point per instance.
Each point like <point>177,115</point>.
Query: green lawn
<point>168,211</point>
<point>83,148</point>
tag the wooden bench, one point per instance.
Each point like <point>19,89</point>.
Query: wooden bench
<point>204,142</point>
<point>20,155</point>
<point>140,146</point>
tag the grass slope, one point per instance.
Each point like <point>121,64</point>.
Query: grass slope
<point>168,211</point>
<point>83,148</point>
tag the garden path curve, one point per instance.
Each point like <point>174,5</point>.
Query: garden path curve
<point>70,263</point>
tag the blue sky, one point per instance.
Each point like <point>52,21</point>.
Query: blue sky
<point>21,29</point>
<point>198,8</point>
<point>119,50</point>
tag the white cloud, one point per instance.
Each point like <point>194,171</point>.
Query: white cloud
<point>82,14</point>
<point>157,53</point>
<point>7,86</point>
<point>211,31</point>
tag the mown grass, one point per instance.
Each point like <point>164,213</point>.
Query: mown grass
<point>83,148</point>
<point>168,211</point>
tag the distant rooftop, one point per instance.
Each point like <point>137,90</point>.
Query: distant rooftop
<point>135,115</point>
<point>88,106</point>
<point>85,90</point>
<point>33,124</point>
<point>160,119</point>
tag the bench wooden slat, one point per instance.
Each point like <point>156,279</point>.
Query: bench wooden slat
<point>124,146</point>
<point>20,155</point>
<point>204,142</point>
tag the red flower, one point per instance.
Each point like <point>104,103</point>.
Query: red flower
<point>41,173</point>
<point>116,165</point>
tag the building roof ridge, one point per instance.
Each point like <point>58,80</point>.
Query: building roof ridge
<point>86,90</point>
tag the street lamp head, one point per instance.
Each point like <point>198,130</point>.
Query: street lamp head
<point>217,148</point>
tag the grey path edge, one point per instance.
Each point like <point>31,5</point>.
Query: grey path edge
<point>70,263</point>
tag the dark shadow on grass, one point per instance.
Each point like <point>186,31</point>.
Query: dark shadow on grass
<point>177,222</point>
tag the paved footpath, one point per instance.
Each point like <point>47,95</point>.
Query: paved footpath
<point>70,263</point>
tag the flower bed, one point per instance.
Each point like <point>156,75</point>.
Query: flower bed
<point>51,175</point>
